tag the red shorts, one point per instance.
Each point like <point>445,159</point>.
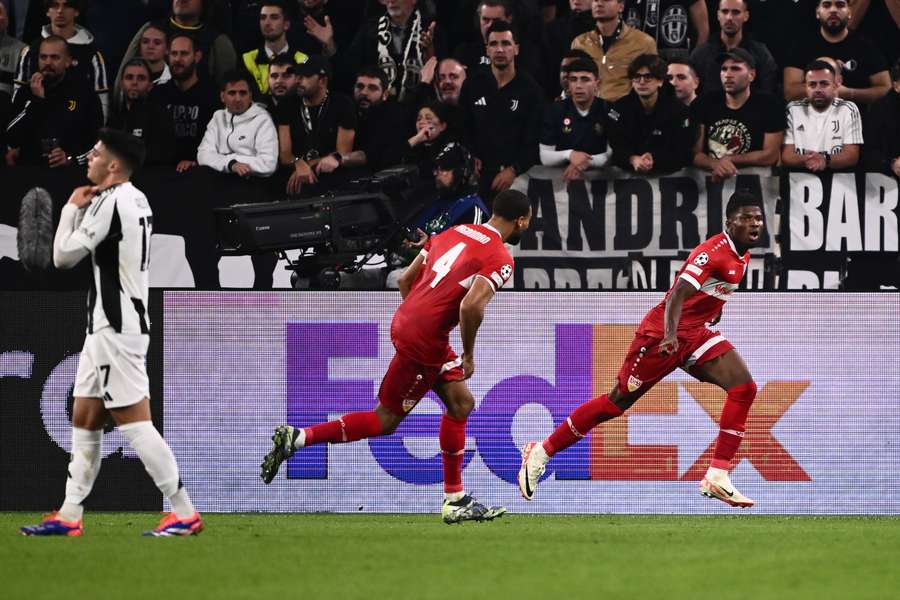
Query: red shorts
<point>407,381</point>
<point>644,365</point>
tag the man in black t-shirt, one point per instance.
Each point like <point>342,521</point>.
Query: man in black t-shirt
<point>678,26</point>
<point>574,134</point>
<point>737,128</point>
<point>190,99</point>
<point>864,68</point>
<point>315,130</point>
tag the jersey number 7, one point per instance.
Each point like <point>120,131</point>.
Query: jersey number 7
<point>443,264</point>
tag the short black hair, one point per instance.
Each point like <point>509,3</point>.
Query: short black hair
<point>137,61</point>
<point>124,147</point>
<point>188,36</point>
<point>235,75</point>
<point>686,63</point>
<point>53,38</point>
<point>500,26</point>
<point>76,4</point>
<point>587,65</point>
<point>576,53</point>
<point>820,65</point>
<point>284,60</point>
<point>653,63</point>
<point>511,205</point>
<point>741,197</point>
<point>279,3</point>
<point>373,72</point>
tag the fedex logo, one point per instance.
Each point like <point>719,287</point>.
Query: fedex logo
<point>587,358</point>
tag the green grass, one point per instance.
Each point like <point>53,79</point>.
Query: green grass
<point>299,557</point>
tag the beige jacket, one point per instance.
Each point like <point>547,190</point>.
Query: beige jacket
<point>614,82</point>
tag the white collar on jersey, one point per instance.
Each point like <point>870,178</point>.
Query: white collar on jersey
<point>491,227</point>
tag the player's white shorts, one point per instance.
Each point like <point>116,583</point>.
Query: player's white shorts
<point>113,367</point>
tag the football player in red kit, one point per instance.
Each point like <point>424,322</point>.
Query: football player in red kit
<point>449,283</point>
<point>674,334</point>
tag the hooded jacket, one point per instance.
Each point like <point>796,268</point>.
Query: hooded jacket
<point>249,138</point>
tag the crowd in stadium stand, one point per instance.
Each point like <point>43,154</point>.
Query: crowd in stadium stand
<point>299,96</point>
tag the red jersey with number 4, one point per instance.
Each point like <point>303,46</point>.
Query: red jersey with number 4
<point>453,260</point>
<point>715,269</point>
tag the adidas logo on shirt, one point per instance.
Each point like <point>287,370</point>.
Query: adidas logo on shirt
<point>481,102</point>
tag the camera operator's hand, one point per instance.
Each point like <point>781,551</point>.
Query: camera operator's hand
<point>419,243</point>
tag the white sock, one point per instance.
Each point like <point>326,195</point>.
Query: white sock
<point>540,455</point>
<point>84,465</point>
<point>301,438</point>
<point>714,472</point>
<point>454,496</point>
<point>160,463</point>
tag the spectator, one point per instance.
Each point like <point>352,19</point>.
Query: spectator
<point>274,24</point>
<point>189,99</point>
<point>450,79</point>
<point>737,128</point>
<point>87,61</point>
<point>562,31</point>
<point>153,48</point>
<point>282,83</point>
<point>316,131</point>
<point>10,49</point>
<point>56,118</point>
<point>823,131</point>
<point>432,134</point>
<point>314,33</point>
<point>569,57</point>
<point>650,129</point>
<point>684,81</point>
<point>574,134</point>
<point>473,54</point>
<point>143,118</point>
<point>241,137</point>
<point>613,44</point>
<point>864,69</point>
<point>677,26</point>
<point>503,110</point>
<point>777,25</point>
<point>188,17</point>
<point>399,42</point>
<point>733,15</point>
<point>879,20</point>
<point>883,129</point>
<point>380,130</point>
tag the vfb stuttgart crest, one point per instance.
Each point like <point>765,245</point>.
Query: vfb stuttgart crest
<point>701,259</point>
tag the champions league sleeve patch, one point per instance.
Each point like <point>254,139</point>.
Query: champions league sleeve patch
<point>701,259</point>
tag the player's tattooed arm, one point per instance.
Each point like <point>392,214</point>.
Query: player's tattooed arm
<point>680,292</point>
<point>471,314</point>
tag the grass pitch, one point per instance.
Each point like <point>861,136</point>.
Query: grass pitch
<point>417,556</point>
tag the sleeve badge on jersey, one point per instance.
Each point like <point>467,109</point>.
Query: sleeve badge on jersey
<point>505,272</point>
<point>701,259</point>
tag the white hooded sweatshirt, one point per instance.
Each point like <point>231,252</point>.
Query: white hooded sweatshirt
<point>249,138</point>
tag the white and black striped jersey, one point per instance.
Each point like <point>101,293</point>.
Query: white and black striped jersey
<point>827,131</point>
<point>116,229</point>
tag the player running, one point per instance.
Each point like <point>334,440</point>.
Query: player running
<point>675,334</point>
<point>451,281</point>
<point>112,221</point>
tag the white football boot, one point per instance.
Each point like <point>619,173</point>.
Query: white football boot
<point>716,484</point>
<point>534,461</point>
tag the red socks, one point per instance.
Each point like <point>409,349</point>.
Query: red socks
<point>453,449</point>
<point>732,424</point>
<point>349,428</point>
<point>580,422</point>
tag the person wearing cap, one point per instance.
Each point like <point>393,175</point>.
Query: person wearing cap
<point>144,118</point>
<point>737,128</point>
<point>823,131</point>
<point>315,131</point>
<point>613,44</point>
<point>274,23</point>
<point>865,70</point>
<point>650,130</point>
<point>883,129</point>
<point>574,133</point>
<point>733,15</point>
<point>87,61</point>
